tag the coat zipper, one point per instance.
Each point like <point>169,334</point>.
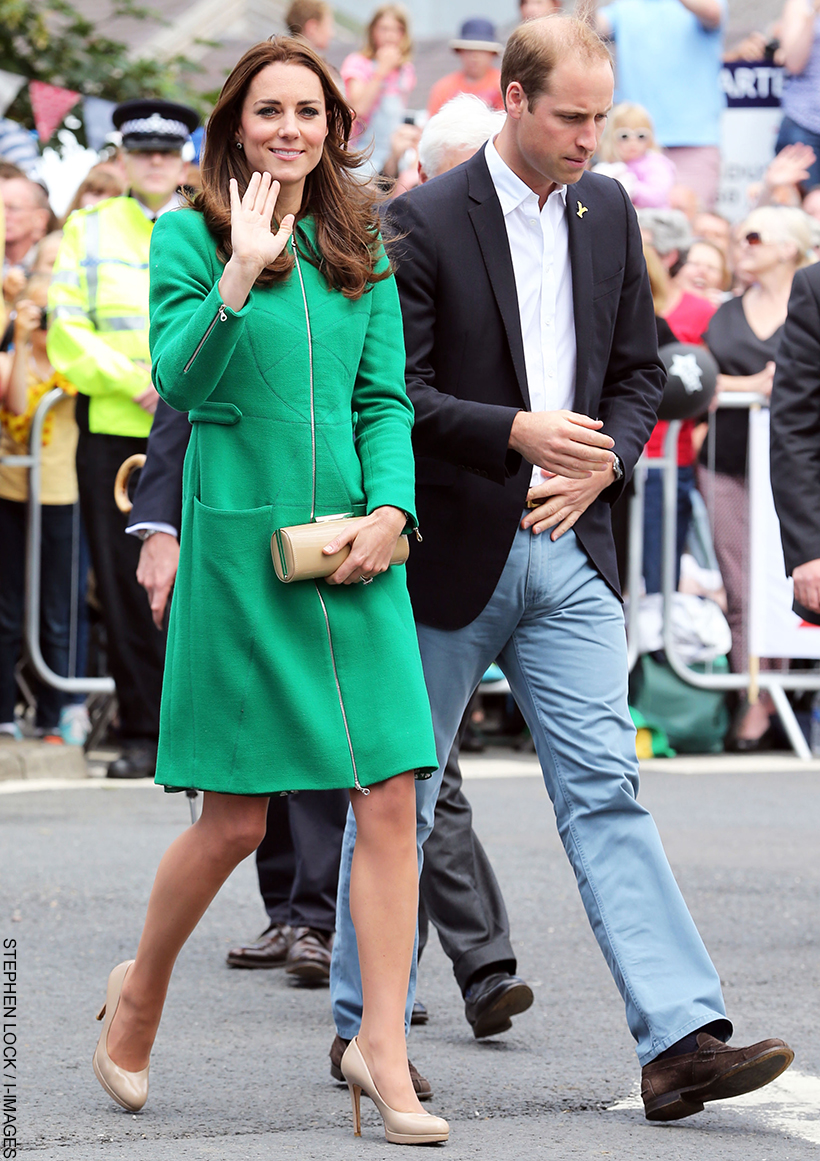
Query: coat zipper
<point>364,790</point>
<point>220,316</point>
<point>310,364</point>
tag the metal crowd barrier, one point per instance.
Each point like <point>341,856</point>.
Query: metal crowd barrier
<point>32,461</point>
<point>775,682</point>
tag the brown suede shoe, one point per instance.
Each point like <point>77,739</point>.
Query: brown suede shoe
<point>680,1086</point>
<point>309,957</point>
<point>270,950</point>
<point>422,1086</point>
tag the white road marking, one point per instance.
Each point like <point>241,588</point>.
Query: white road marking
<point>790,1104</point>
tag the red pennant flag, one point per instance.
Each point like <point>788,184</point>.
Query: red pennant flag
<point>50,105</point>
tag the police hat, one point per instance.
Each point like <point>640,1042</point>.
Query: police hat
<point>153,125</point>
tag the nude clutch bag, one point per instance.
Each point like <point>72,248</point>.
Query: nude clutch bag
<point>297,551</point>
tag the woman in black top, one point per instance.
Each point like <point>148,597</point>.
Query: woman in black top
<point>744,336</point>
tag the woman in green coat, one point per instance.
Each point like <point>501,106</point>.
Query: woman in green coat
<point>283,342</point>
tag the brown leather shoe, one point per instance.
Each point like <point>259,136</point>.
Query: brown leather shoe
<point>270,950</point>
<point>308,961</point>
<point>422,1086</point>
<point>680,1085</point>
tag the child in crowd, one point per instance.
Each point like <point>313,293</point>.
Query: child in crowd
<point>379,79</point>
<point>26,375</point>
<point>630,153</point>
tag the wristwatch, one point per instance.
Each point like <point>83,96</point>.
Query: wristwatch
<point>144,533</point>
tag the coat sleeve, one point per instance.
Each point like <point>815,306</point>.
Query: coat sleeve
<point>158,498</point>
<point>75,348</point>
<point>384,414</point>
<point>193,334</point>
<point>795,425</point>
<point>635,377</point>
<point>463,432</point>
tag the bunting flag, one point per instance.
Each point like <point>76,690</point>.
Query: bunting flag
<point>50,105</point>
<point>10,86</point>
<point>97,118</point>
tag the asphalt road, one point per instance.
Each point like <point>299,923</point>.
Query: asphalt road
<point>240,1067</point>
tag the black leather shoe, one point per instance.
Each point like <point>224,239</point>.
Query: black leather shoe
<point>308,960</point>
<point>421,1085</point>
<point>270,950</point>
<point>135,762</point>
<point>489,1004</point>
<point>419,1015</point>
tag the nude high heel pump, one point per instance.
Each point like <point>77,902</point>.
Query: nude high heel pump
<point>399,1128</point>
<point>129,1089</point>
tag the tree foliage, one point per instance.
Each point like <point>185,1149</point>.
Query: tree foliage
<point>55,43</point>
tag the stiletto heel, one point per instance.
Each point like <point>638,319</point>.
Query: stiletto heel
<point>399,1128</point>
<point>129,1089</point>
<point>356,1096</point>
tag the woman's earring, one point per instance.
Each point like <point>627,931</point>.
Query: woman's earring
<point>239,145</point>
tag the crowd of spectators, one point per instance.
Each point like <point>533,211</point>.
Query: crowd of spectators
<point>715,283</point>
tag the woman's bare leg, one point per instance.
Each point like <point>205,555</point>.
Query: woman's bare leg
<point>189,875</point>
<point>384,881</point>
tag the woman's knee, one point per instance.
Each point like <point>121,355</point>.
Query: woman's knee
<point>390,808</point>
<point>238,825</point>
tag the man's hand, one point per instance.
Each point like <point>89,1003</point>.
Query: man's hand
<point>562,442</point>
<point>148,399</point>
<point>564,501</point>
<point>157,570</point>
<point>807,585</point>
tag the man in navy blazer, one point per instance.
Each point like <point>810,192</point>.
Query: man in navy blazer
<point>532,366</point>
<point>795,442</point>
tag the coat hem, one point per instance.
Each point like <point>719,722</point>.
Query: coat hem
<point>421,773</point>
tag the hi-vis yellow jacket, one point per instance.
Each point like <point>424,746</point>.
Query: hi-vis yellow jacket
<point>98,303</point>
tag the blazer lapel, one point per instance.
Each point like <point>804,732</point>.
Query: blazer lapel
<point>491,232</point>
<point>580,256</point>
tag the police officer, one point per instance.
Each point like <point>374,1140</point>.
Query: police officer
<point>99,341</point>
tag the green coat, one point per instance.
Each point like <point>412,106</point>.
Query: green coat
<point>268,686</point>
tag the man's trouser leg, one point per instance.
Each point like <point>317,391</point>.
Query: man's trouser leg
<point>458,889</point>
<point>566,664</point>
<point>276,862</point>
<point>136,648</point>
<point>317,822</point>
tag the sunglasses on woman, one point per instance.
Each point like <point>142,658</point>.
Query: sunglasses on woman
<point>753,238</point>
<point>632,135</point>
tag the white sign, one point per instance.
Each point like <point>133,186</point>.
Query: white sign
<point>774,630</point>
<point>748,131</point>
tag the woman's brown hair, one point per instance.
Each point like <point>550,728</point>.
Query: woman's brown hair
<point>348,247</point>
<point>398,12</point>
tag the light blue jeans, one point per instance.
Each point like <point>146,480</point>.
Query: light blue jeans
<point>557,631</point>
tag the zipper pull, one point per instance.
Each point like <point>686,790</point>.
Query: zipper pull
<point>419,536</point>
<point>222,315</point>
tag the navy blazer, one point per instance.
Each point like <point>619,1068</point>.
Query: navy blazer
<point>467,379</point>
<point>795,428</point>
<point>158,498</point>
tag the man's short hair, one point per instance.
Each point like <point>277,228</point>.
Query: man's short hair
<point>301,11</point>
<point>465,122</point>
<point>538,46</point>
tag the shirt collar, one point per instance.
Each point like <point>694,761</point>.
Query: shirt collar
<point>173,203</point>
<point>512,191</point>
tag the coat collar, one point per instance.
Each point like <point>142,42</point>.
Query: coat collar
<point>580,206</point>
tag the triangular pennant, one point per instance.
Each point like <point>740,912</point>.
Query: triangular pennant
<point>97,118</point>
<point>10,86</point>
<point>49,105</point>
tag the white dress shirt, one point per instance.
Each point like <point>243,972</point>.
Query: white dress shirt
<point>539,246</point>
